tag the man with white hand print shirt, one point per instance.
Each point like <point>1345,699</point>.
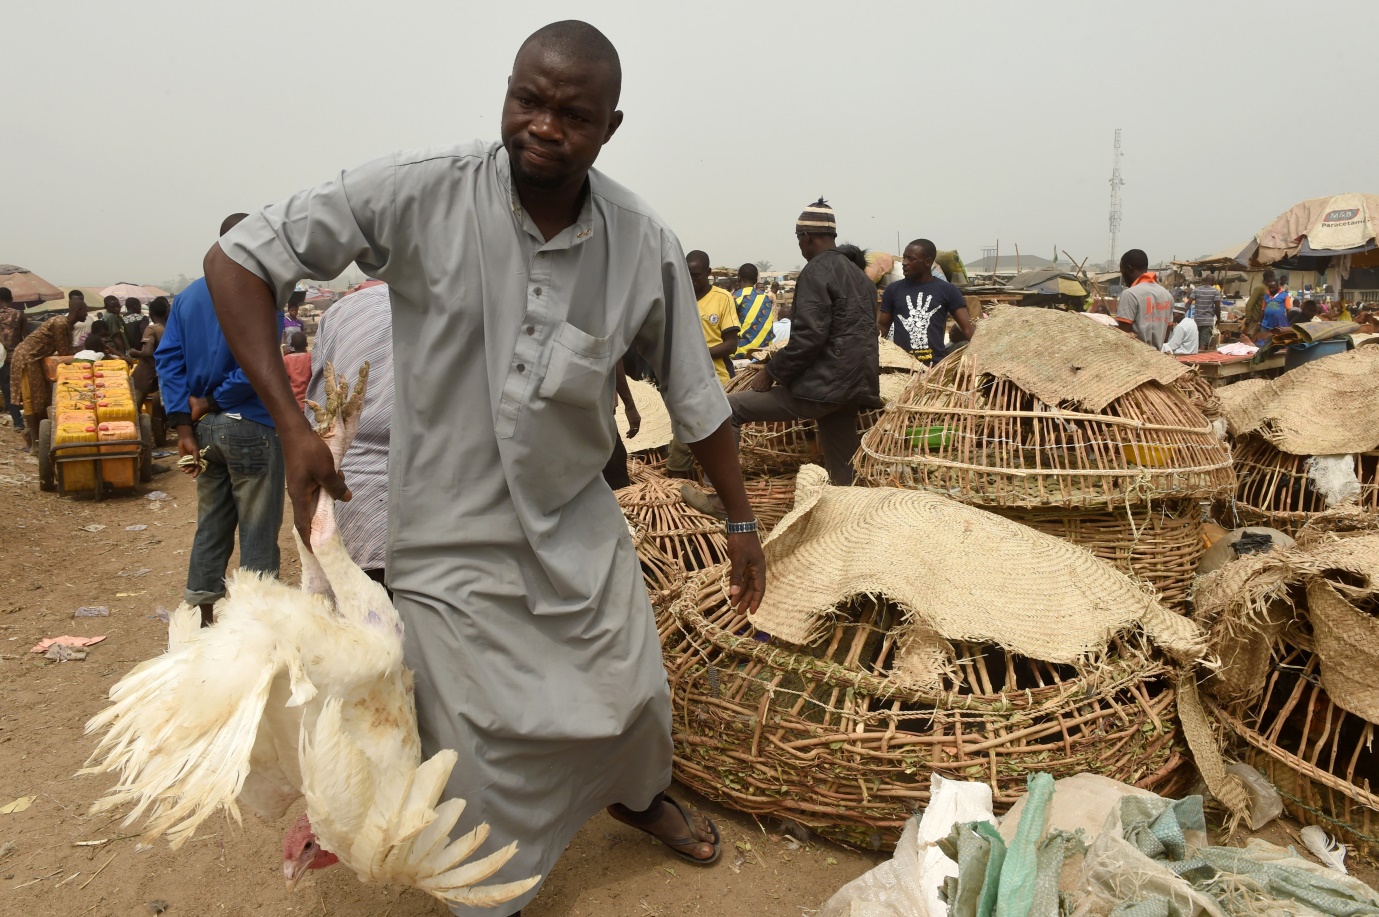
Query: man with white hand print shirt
<point>915,310</point>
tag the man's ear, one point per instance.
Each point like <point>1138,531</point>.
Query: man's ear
<point>614,123</point>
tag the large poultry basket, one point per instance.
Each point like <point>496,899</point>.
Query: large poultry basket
<point>824,736</point>
<point>1275,489</point>
<point>1297,693</point>
<point>689,539</point>
<point>1319,757</point>
<point>781,447</point>
<point>984,440</point>
<point>1159,545</point>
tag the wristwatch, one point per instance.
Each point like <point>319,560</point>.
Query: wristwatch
<point>741,528</point>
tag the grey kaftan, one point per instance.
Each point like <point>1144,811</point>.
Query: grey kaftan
<point>528,626</point>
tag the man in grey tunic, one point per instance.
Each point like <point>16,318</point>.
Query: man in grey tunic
<point>518,277</point>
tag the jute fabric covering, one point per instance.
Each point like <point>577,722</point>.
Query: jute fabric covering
<point>1031,593</point>
<point>893,359</point>
<point>960,432</point>
<point>1327,581</point>
<point>655,432</point>
<point>1062,358</point>
<point>823,735</point>
<point>1327,407</point>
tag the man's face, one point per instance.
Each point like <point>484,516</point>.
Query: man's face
<point>916,262</point>
<point>557,115</point>
<point>112,305</point>
<point>699,275</point>
<point>1274,287</point>
<point>77,309</point>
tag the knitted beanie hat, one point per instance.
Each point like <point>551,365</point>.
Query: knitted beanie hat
<point>817,218</point>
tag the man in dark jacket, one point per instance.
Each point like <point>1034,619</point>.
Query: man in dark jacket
<point>830,366</point>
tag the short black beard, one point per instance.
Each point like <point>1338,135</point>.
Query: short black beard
<point>522,178</point>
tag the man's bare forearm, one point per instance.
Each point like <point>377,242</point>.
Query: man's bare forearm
<point>717,455</point>
<point>244,305</point>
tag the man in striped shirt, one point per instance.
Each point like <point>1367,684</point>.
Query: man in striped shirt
<point>357,330</point>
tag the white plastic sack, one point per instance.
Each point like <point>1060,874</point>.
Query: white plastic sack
<point>907,885</point>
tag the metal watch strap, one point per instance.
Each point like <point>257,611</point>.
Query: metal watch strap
<point>741,528</point>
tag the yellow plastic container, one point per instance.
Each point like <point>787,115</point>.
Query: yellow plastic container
<point>118,472</point>
<point>112,389</point>
<point>80,372</point>
<point>112,366</point>
<point>110,410</point>
<point>75,475</point>
<point>74,400</point>
<point>83,418</point>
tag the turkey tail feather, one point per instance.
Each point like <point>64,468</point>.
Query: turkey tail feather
<point>405,835</point>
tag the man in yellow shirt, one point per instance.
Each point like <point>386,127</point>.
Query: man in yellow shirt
<point>717,315</point>
<point>718,319</point>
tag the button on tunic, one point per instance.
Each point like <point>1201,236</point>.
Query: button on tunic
<point>528,625</point>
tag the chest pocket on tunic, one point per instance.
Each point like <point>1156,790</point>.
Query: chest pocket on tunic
<point>578,370</point>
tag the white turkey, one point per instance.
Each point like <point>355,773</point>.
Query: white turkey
<point>297,692</point>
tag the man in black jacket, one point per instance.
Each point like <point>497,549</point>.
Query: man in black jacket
<point>830,366</point>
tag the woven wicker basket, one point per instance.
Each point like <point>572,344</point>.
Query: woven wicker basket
<point>1159,546</point>
<point>782,447</point>
<point>821,736</point>
<point>642,466</point>
<point>985,441</point>
<point>1274,489</point>
<point>1317,755</point>
<point>1200,392</point>
<point>686,537</point>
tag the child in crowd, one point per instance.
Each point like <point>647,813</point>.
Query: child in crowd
<point>298,363</point>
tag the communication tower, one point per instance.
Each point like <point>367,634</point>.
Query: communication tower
<point>1116,183</point>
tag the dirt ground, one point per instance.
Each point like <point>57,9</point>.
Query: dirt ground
<point>51,565</point>
<point>56,859</point>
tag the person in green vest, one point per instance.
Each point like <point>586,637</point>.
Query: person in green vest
<point>753,312</point>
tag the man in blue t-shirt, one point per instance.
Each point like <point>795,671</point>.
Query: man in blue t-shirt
<point>915,309</point>
<point>226,440</point>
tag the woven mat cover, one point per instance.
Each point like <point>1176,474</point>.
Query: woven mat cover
<point>655,431</point>
<point>1234,602</point>
<point>893,358</point>
<point>1060,357</point>
<point>957,571</point>
<point>1327,407</point>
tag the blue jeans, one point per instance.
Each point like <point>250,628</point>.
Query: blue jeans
<point>16,413</point>
<point>241,486</point>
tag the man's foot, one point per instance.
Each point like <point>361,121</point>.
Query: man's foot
<point>688,834</point>
<point>708,504</point>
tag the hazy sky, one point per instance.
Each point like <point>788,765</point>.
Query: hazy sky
<point>134,127</point>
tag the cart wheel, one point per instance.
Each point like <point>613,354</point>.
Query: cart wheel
<point>43,444</point>
<point>146,451</point>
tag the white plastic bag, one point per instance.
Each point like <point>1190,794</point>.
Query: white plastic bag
<point>907,885</point>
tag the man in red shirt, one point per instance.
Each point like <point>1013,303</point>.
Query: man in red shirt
<point>298,363</point>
